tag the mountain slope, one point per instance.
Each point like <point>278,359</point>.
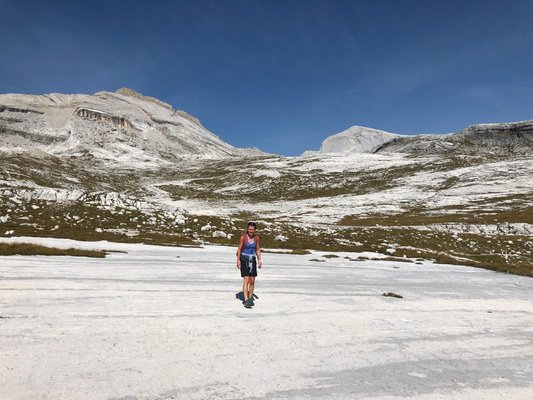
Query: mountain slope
<point>121,127</point>
<point>504,138</point>
<point>111,166</point>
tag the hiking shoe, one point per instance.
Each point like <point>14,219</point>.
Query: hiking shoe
<point>251,301</point>
<point>248,303</point>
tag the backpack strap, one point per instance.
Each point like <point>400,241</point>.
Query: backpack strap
<point>244,238</point>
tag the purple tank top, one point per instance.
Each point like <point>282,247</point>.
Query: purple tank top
<point>249,248</point>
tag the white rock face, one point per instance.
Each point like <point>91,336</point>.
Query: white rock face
<point>357,139</point>
<point>206,227</point>
<point>125,127</point>
<point>268,173</point>
<point>522,229</point>
<point>281,238</point>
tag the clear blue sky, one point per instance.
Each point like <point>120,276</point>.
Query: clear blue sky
<point>283,75</point>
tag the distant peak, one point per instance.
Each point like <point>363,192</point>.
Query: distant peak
<point>129,92</point>
<point>356,139</point>
<point>132,93</point>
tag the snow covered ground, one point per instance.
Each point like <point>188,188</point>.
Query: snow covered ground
<point>164,322</point>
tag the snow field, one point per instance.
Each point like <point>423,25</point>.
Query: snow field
<point>163,322</point>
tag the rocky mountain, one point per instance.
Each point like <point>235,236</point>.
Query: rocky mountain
<point>125,167</point>
<point>506,138</point>
<point>357,139</point>
<point>124,127</point>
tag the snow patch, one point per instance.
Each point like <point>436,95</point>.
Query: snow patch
<point>268,173</point>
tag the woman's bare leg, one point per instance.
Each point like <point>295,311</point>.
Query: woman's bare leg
<point>251,287</point>
<point>245,284</point>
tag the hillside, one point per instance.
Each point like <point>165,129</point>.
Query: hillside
<point>124,127</point>
<point>471,204</point>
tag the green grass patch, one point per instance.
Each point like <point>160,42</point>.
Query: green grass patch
<point>29,249</point>
<point>420,216</point>
<point>300,251</point>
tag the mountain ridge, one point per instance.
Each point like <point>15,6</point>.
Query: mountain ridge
<point>477,138</point>
<point>122,126</point>
<point>125,126</point>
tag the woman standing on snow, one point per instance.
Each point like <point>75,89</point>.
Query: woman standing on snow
<point>248,260</point>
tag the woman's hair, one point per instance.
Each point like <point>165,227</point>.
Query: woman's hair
<point>252,224</point>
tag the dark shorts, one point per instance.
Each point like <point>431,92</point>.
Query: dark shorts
<point>248,268</point>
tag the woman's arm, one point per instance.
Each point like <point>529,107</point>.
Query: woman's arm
<point>239,251</point>
<point>258,252</point>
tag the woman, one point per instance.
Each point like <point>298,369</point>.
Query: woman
<point>248,260</point>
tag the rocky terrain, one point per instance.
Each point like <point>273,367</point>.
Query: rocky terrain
<point>513,138</point>
<point>121,127</point>
<point>126,167</point>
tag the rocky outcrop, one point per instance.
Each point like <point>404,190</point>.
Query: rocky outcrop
<point>13,136</point>
<point>512,136</point>
<point>125,127</point>
<point>498,139</point>
<point>521,229</point>
<point>132,93</point>
<point>95,115</point>
<point>419,144</point>
<point>357,139</point>
<point>481,139</point>
<point>23,127</point>
<point>108,199</point>
<point>18,110</point>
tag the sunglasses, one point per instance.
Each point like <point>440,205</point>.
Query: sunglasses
<point>251,224</point>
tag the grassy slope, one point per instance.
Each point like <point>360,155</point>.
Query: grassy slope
<point>28,249</point>
<point>218,180</point>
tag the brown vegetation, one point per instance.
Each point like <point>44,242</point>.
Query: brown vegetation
<point>28,249</point>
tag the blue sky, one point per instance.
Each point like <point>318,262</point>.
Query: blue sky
<point>283,75</point>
